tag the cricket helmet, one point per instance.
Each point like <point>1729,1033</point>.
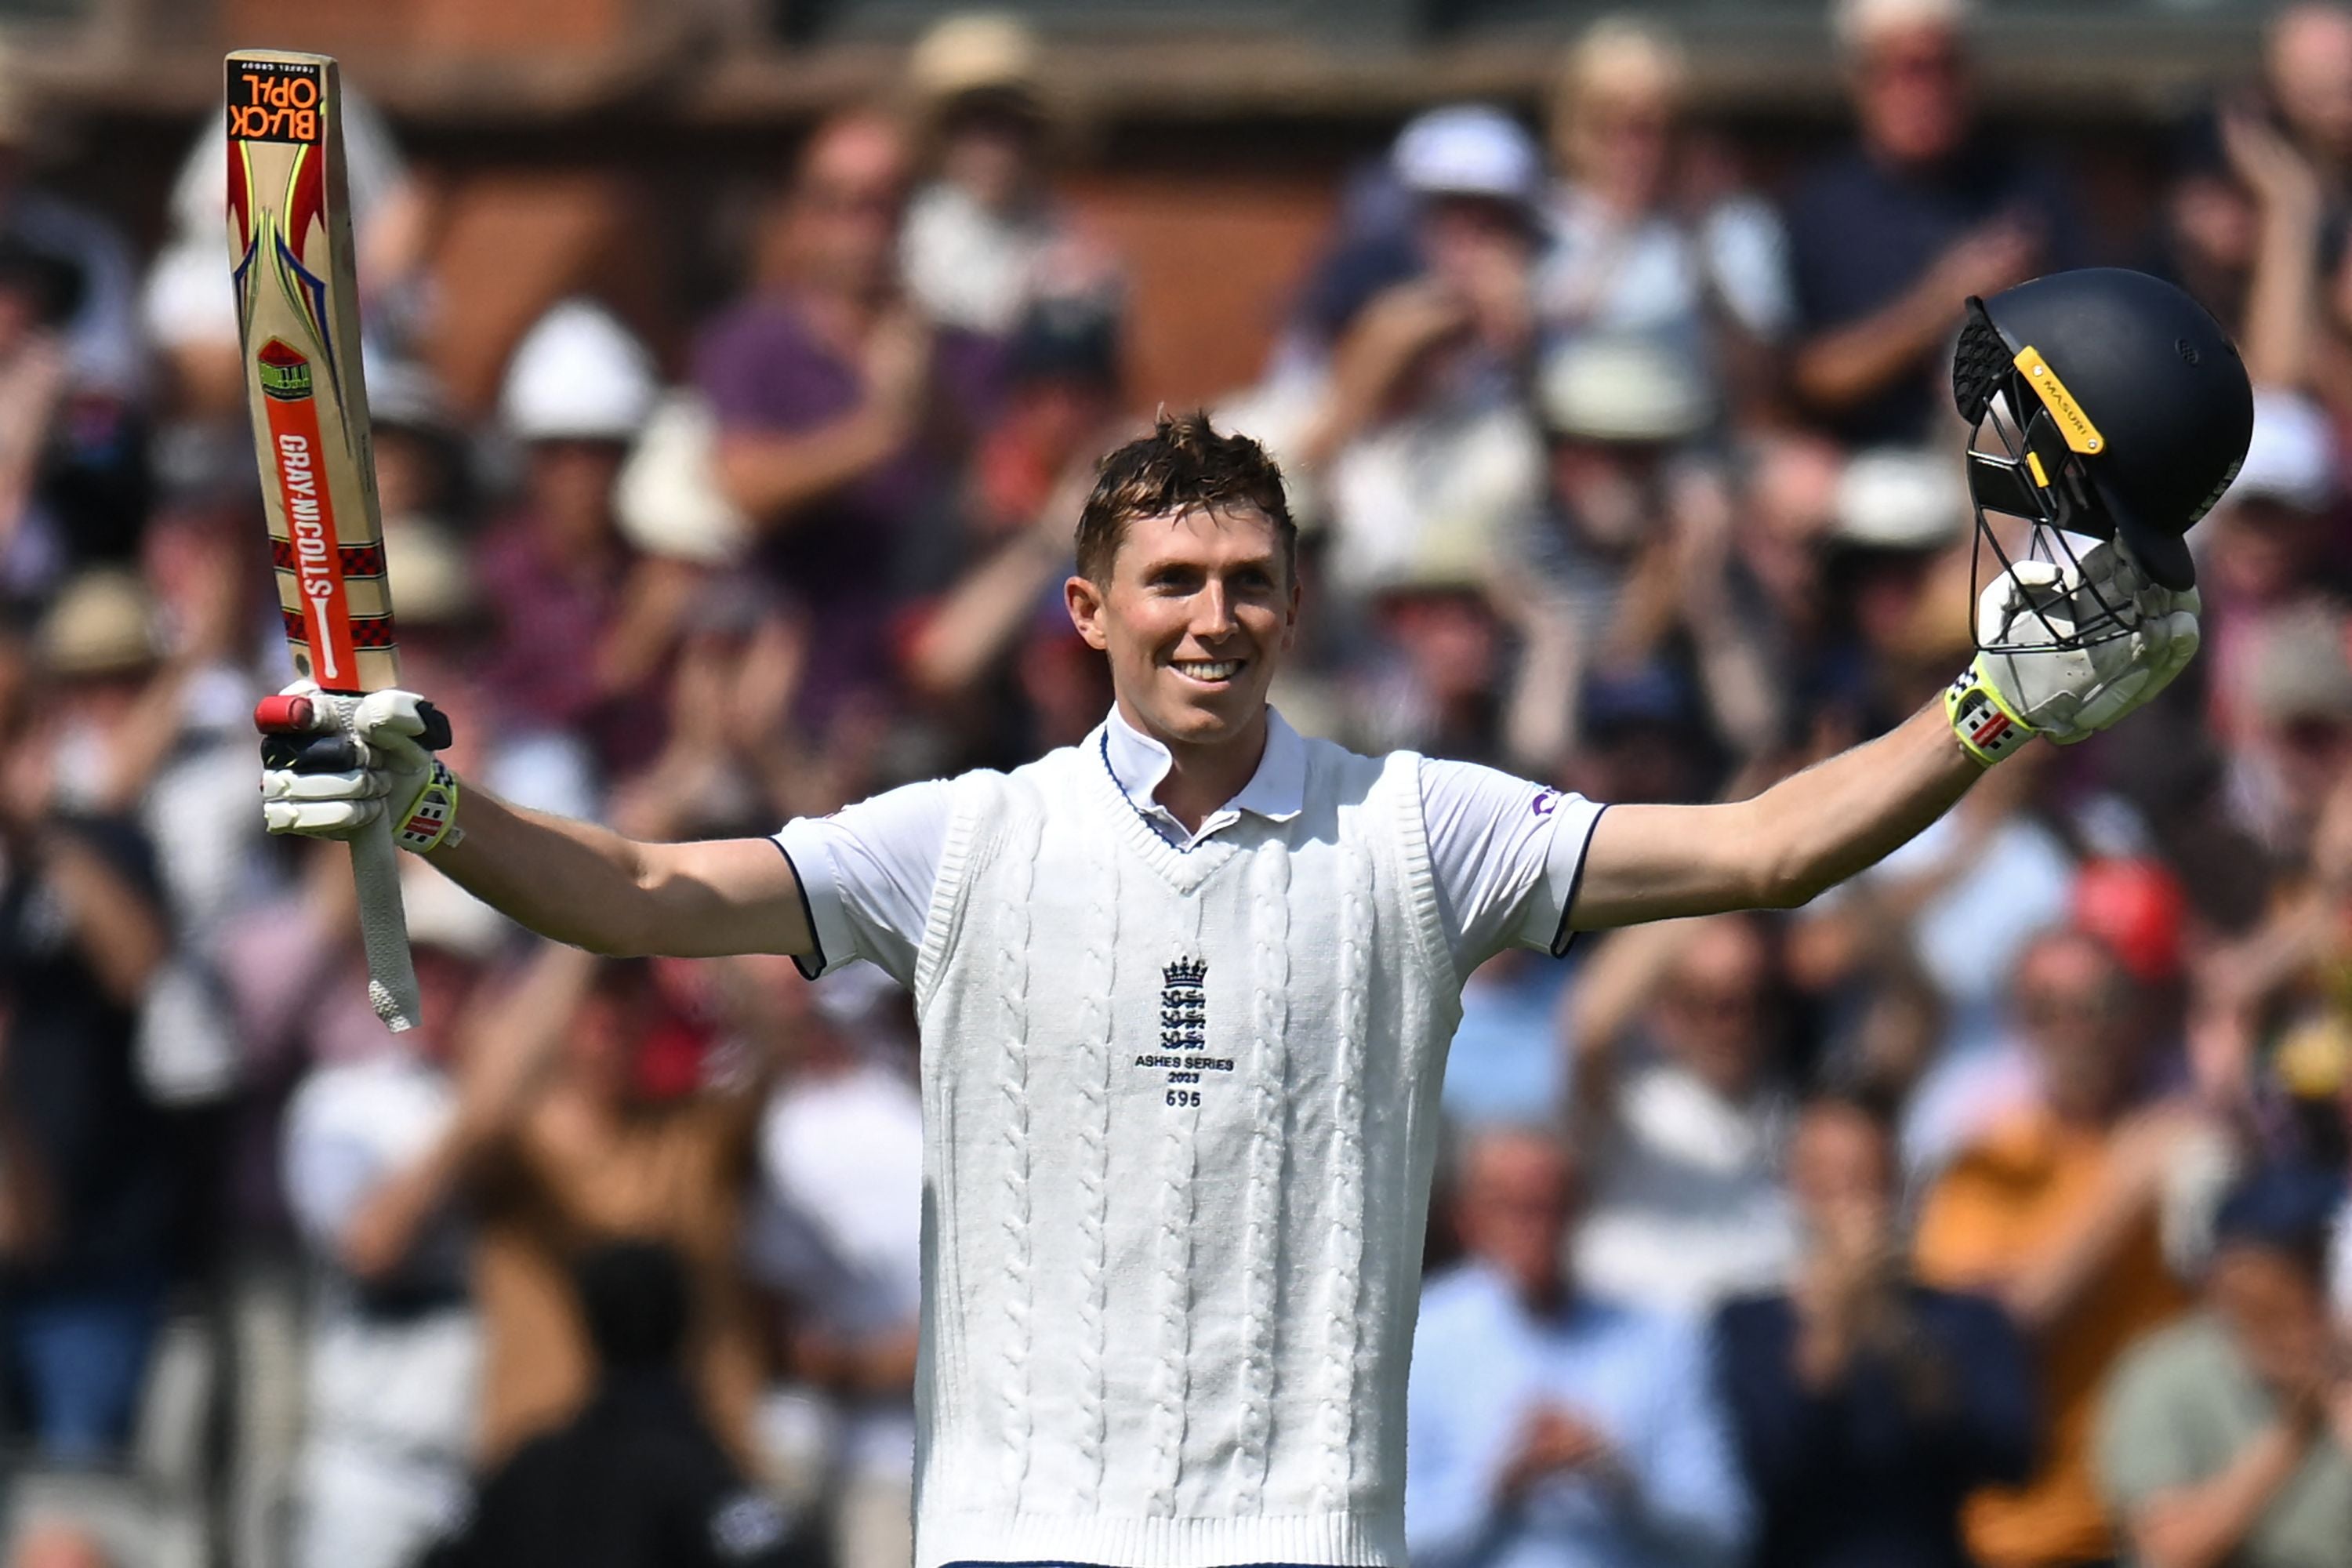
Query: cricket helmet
<point>2104,404</point>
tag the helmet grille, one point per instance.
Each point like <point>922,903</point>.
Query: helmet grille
<point>2024,484</point>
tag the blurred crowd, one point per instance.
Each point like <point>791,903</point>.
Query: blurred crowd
<point>1989,1210</point>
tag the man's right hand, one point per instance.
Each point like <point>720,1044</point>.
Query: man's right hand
<point>360,758</point>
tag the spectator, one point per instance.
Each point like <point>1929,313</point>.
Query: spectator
<point>44,528</point>
<point>98,324</point>
<point>619,1138</point>
<point>1550,1424</point>
<point>2298,705</point>
<point>1414,434</point>
<point>838,1232</point>
<point>583,627</point>
<point>1687,1140</point>
<point>1433,679</point>
<point>1888,237</point>
<point>2228,1438</point>
<point>636,1480</point>
<point>1867,1405</point>
<point>377,1152</point>
<point>1635,249</point>
<point>1893,563</point>
<point>81,935</point>
<point>2268,549</point>
<point>991,653</point>
<point>2055,1209</point>
<point>1627,577</point>
<point>1505,1056</point>
<point>985,239</point>
<point>2308,66</point>
<point>842,410</point>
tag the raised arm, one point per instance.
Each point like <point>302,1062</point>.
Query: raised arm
<point>1847,364</point>
<point>574,881</point>
<point>1781,847</point>
<point>1814,830</point>
<point>588,886</point>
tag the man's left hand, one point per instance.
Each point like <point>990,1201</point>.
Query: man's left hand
<point>2044,681</point>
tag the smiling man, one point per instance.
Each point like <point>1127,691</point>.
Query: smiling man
<point>1185,991</point>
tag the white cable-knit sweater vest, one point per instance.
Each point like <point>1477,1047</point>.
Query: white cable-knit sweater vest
<point>1180,1110</point>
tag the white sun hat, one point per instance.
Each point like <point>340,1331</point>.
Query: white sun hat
<point>578,375</point>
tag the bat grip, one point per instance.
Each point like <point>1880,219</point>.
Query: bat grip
<point>283,715</point>
<point>391,977</point>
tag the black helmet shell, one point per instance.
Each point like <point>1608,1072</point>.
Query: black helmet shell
<point>2165,409</point>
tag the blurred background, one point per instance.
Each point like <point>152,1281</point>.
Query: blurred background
<point>738,368</point>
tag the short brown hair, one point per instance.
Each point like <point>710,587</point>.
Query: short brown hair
<point>1184,465</point>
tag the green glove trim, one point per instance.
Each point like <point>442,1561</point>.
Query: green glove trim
<point>1989,730</point>
<point>432,821</point>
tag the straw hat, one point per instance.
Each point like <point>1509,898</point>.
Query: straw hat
<point>103,623</point>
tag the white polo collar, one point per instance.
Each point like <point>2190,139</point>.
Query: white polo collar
<point>1277,792</point>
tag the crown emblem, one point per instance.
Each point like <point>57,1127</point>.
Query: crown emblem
<point>1189,974</point>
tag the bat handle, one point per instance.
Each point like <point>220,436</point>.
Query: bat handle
<point>392,976</point>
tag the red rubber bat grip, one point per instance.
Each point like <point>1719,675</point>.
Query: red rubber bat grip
<point>283,715</point>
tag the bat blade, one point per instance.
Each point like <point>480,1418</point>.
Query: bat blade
<point>298,313</point>
<point>290,254</point>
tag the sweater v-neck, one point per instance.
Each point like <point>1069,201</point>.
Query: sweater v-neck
<point>1183,867</point>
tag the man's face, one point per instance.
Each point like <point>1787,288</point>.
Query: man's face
<point>1911,94</point>
<point>1841,1172</point>
<point>846,206</point>
<point>2310,69</point>
<point>992,154</point>
<point>1450,639</point>
<point>2309,754</point>
<point>1518,1199</point>
<point>1612,492</point>
<point>1197,612</point>
<point>2074,1005</point>
<point>2267,550</point>
<point>2275,1311</point>
<point>445,982</point>
<point>1712,1013</point>
<point>571,491</point>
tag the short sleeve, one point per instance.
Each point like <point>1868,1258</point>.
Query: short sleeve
<point>2141,1443</point>
<point>346,1130</point>
<point>330,1169</point>
<point>1506,854</point>
<point>867,873</point>
<point>1961,1242</point>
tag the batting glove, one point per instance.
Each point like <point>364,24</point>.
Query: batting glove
<point>2046,684</point>
<point>333,764</point>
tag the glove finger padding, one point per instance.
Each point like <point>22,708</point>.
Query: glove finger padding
<point>352,784</point>
<point>2141,638</point>
<point>2013,605</point>
<point>362,758</point>
<point>390,721</point>
<point>320,819</point>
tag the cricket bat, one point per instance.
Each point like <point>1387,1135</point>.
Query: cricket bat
<point>289,231</point>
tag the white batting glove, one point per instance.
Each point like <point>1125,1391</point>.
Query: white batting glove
<point>361,759</point>
<point>2068,693</point>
